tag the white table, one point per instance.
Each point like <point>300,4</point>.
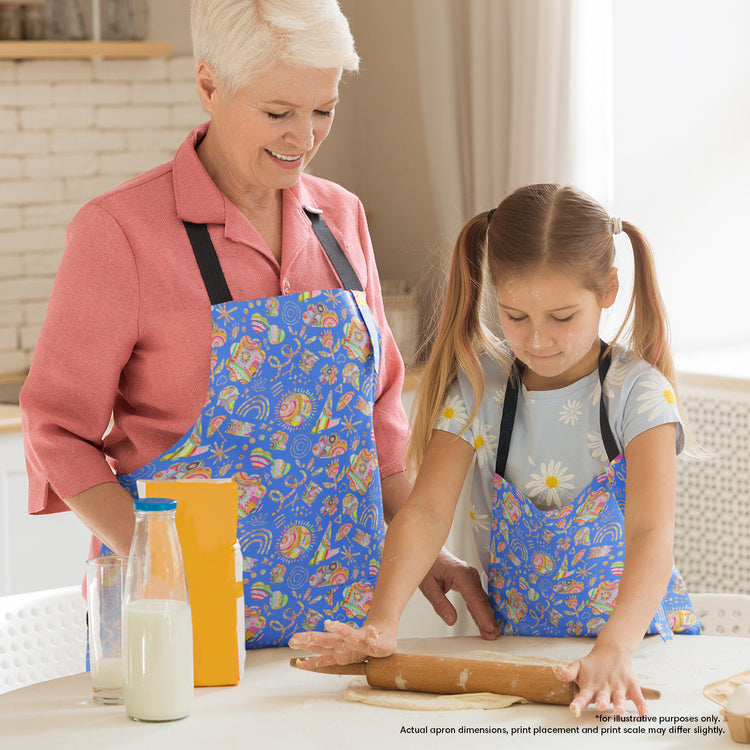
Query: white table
<point>276,706</point>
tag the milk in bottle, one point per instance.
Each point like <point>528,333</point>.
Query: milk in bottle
<point>157,626</point>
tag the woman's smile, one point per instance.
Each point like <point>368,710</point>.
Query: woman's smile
<point>287,161</point>
<point>263,136</point>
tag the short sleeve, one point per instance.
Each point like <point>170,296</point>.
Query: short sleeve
<point>650,402</point>
<point>458,405</point>
<point>454,413</point>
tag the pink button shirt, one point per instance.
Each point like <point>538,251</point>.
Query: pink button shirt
<point>128,327</point>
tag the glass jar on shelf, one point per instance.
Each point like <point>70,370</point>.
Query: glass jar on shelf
<point>32,19</point>
<point>10,21</point>
<point>123,19</point>
<point>66,19</point>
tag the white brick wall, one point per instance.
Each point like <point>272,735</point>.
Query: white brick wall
<point>70,129</point>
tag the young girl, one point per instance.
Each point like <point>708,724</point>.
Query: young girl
<point>574,444</point>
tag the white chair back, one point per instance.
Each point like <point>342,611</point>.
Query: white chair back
<point>723,614</point>
<point>42,636</point>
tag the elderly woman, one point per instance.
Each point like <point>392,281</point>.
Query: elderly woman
<point>225,309</point>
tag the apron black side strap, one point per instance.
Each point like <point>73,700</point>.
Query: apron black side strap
<point>208,263</point>
<point>335,254</point>
<point>610,444</point>
<point>510,401</point>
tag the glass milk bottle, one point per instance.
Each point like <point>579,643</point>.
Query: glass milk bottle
<point>157,635</point>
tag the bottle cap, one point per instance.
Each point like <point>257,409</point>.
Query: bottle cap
<point>154,503</point>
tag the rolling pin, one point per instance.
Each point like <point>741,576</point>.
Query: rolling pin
<point>449,675</point>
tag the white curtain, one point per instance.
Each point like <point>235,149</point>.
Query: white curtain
<point>513,92</point>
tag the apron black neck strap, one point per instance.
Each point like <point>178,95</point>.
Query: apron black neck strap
<point>208,263</point>
<point>610,444</point>
<point>213,276</point>
<point>510,402</point>
<point>339,261</point>
<point>515,379</point>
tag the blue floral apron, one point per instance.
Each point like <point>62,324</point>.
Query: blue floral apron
<point>289,417</point>
<point>556,572</point>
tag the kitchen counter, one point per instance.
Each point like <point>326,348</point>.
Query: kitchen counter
<point>277,706</point>
<point>10,417</point>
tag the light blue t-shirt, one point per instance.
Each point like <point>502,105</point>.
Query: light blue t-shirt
<point>556,448</point>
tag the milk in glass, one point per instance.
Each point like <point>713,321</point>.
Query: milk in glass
<point>106,674</point>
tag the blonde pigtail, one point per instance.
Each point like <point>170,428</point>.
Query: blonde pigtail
<point>649,327</point>
<point>460,335</point>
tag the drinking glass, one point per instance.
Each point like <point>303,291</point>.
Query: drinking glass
<point>105,582</point>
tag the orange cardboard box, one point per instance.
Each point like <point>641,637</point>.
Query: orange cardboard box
<point>206,522</point>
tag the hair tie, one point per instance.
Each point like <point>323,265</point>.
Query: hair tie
<point>490,214</point>
<point>616,225</point>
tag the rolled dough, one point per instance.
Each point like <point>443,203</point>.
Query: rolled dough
<point>405,700</point>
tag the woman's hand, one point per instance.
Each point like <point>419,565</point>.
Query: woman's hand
<point>448,573</point>
<point>343,644</point>
<point>605,677</point>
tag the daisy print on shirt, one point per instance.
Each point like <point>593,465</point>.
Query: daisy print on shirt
<point>454,409</point>
<point>596,447</point>
<point>479,521</point>
<point>571,411</point>
<point>656,400</point>
<point>619,369</point>
<point>551,487</point>
<point>485,444</point>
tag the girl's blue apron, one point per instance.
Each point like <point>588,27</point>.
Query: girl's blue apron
<point>556,572</point>
<point>289,417</point>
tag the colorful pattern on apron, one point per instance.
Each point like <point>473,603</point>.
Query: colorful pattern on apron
<point>556,573</point>
<point>289,417</point>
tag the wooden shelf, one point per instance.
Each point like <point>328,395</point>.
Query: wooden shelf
<point>68,50</point>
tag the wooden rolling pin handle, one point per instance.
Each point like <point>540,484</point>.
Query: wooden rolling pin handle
<point>449,675</point>
<point>651,694</point>
<point>359,668</point>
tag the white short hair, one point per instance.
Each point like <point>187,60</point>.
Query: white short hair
<point>242,39</point>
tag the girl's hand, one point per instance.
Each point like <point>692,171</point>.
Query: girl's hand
<point>343,644</point>
<point>605,677</point>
